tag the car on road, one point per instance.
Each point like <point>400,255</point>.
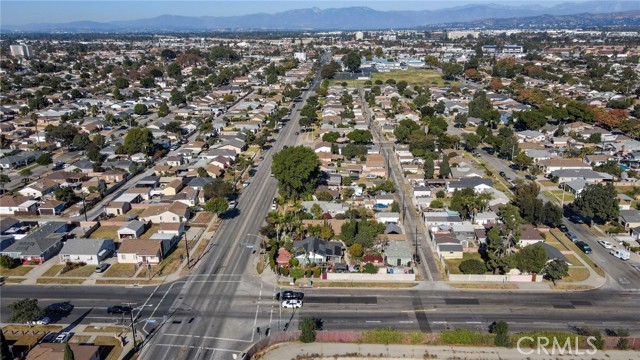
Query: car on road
<point>261,158</point>
<point>475,153</point>
<point>292,304</point>
<point>297,133</point>
<point>584,247</point>
<point>232,204</point>
<point>102,267</point>
<point>563,228</point>
<point>503,174</point>
<point>571,235</point>
<point>245,184</point>
<point>59,308</point>
<point>289,295</point>
<point>605,244</point>
<point>63,337</point>
<point>530,177</point>
<point>118,309</point>
<point>43,320</point>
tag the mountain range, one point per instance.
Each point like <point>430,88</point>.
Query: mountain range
<point>348,18</point>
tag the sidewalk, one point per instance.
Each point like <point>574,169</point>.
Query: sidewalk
<point>378,351</point>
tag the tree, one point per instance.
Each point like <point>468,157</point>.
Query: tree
<point>429,168</point>
<point>405,128</point>
<point>44,159</point>
<point>140,109</point>
<point>495,84</point>
<point>168,54</point>
<point>483,131</point>
<point>522,160</point>
<point>94,154</point>
<point>471,140</point>
<point>356,250</point>
<point>472,266</point>
<point>65,194</point>
<point>360,136</point>
<point>307,327</point>
<point>531,259</point>
<point>501,330</point>
<point>163,110</point>
<point>297,170</point>
<point>451,70</point>
<point>121,83</point>
<point>217,188</point>
<point>556,269</point>
<point>369,268</point>
<point>25,310</point>
<point>479,104</point>
<point>552,214</point>
<point>202,172</point>
<point>216,205</point>
<point>401,85</point>
<point>68,353</point>
<point>8,262</point>
<point>174,70</point>
<point>352,61</point>
<point>444,168</point>
<point>138,140</point>
<point>331,136</point>
<point>460,120</point>
<point>598,201</point>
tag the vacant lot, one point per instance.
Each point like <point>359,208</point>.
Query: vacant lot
<point>202,219</point>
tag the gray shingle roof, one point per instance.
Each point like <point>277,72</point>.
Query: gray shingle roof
<point>319,246</point>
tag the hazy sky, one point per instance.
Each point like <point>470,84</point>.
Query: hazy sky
<point>18,12</point>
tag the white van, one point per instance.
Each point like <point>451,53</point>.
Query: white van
<point>621,254</point>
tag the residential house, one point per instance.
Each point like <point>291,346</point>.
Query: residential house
<point>89,251</point>
<point>464,232</point>
<point>158,213</point>
<point>11,204</point>
<point>475,183</point>
<point>137,251</point>
<point>550,165</point>
<point>397,253</point>
<point>387,217</point>
<point>624,202</point>
<point>131,230</point>
<point>39,189</point>
<point>530,136</point>
<point>40,245</point>
<point>629,218</point>
<point>322,147</point>
<point>529,236</point>
<point>436,218</point>
<point>51,207</point>
<point>173,187</point>
<point>448,246</point>
<point>588,175</point>
<point>317,250</point>
<point>326,206</point>
<point>283,257</point>
<point>117,208</point>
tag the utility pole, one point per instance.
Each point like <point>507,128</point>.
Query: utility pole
<point>84,207</point>
<point>133,328</point>
<point>186,245</point>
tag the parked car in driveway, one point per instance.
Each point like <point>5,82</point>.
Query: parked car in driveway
<point>292,304</point>
<point>102,267</point>
<point>605,244</point>
<point>584,247</point>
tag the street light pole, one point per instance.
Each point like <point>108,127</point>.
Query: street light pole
<point>186,246</point>
<point>84,207</point>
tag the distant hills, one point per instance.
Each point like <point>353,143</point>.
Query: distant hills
<point>358,18</point>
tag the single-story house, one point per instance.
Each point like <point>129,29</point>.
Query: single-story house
<point>159,213</point>
<point>629,218</point>
<point>90,251</point>
<point>397,253</point>
<point>51,207</point>
<point>387,217</point>
<point>116,208</point>
<point>40,245</point>
<point>135,251</point>
<point>448,246</point>
<point>529,236</point>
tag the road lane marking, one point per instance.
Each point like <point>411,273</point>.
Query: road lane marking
<point>207,337</point>
<point>373,321</point>
<point>199,347</point>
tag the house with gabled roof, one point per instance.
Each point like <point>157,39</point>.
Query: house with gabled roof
<point>136,251</point>
<point>173,212</point>
<point>89,251</point>
<point>40,245</point>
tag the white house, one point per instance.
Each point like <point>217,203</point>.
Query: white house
<point>90,251</point>
<point>388,217</point>
<point>137,251</point>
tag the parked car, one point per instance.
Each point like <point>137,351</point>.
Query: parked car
<point>503,174</point>
<point>245,184</point>
<point>102,267</point>
<point>292,304</point>
<point>577,219</point>
<point>43,320</point>
<point>118,309</point>
<point>59,308</point>
<point>572,236</point>
<point>289,295</point>
<point>605,244</point>
<point>232,204</point>
<point>584,247</point>
<point>274,204</point>
<point>563,228</point>
<point>530,177</point>
<point>63,337</point>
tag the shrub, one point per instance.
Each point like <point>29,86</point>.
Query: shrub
<point>294,262</point>
<point>441,194</point>
<point>296,273</point>
<point>308,273</point>
<point>437,204</point>
<point>463,337</point>
<point>369,268</point>
<point>285,271</point>
<point>472,266</point>
<point>317,272</point>
<point>501,329</point>
<point>599,341</point>
<point>382,336</point>
<point>307,327</point>
<point>622,344</point>
<point>8,262</point>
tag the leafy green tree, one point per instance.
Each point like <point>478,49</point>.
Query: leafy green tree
<point>472,266</point>
<point>460,120</point>
<point>202,172</point>
<point>140,109</point>
<point>138,140</point>
<point>147,82</point>
<point>68,353</point>
<point>44,159</point>
<point>174,70</point>
<point>8,262</point>
<point>297,170</point>
<point>531,259</point>
<point>610,167</point>
<point>81,141</point>
<point>479,104</point>
<point>444,168</point>
<point>369,268</point>
<point>472,141</point>
<point>163,110</point>
<point>63,133</point>
<point>168,54</point>
<point>522,160</point>
<point>526,199</point>
<point>65,194</point>
<point>356,250</point>
<point>429,168</point>
<point>307,327</point>
<point>552,213</point>
<point>217,188</point>
<point>598,201</point>
<point>483,131</point>
<point>25,310</point>
<point>467,202</point>
<point>501,330</point>
<point>533,119</point>
<point>556,269</point>
<point>451,70</point>
<point>360,136</point>
<point>331,136</point>
<point>401,85</point>
<point>121,83</point>
<point>405,128</point>
<point>352,61</point>
<point>94,154</point>
<point>216,205</point>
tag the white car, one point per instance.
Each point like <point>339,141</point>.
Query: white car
<point>63,337</point>
<point>605,244</point>
<point>232,204</point>
<point>292,304</point>
<point>40,321</point>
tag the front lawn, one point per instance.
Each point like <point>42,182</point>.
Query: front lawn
<point>121,270</point>
<point>454,264</point>
<point>82,271</point>
<point>20,270</point>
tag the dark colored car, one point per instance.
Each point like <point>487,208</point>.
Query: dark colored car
<point>563,228</point>
<point>118,309</point>
<point>577,219</point>
<point>289,295</point>
<point>584,247</point>
<point>102,267</point>
<point>530,177</point>
<point>503,174</point>
<point>59,308</point>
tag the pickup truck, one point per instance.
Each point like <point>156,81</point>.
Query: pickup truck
<point>289,295</point>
